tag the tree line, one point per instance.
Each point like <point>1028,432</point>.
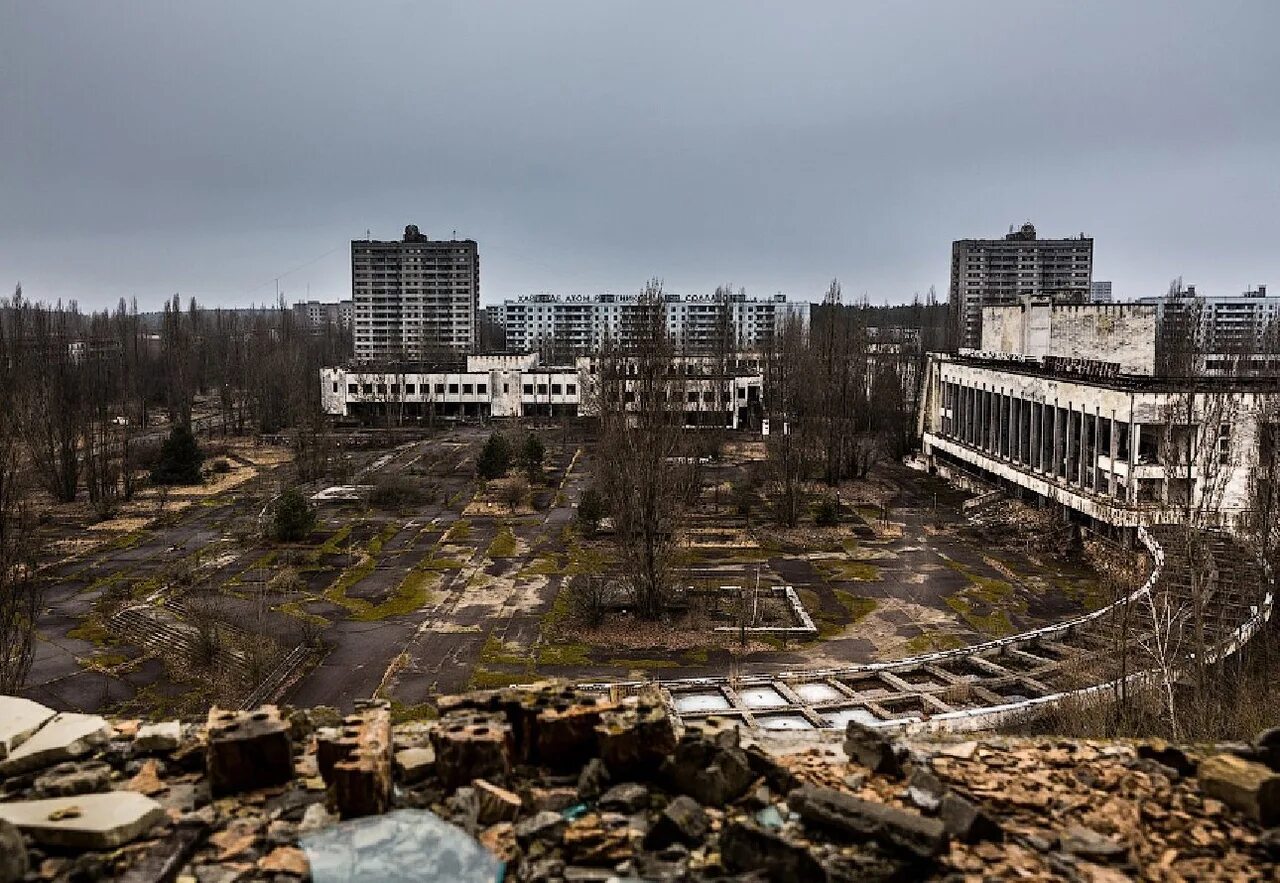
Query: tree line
<point>86,398</point>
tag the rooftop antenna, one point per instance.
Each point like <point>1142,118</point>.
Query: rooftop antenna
<point>455,234</point>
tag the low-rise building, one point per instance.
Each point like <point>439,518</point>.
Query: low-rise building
<point>517,385</point>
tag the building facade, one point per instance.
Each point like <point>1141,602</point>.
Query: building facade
<point>1115,338</point>
<point>1220,325</point>
<point>517,385</point>
<point>1100,292</point>
<point>999,272</point>
<point>415,298</point>
<point>578,325</point>
<point>318,315</point>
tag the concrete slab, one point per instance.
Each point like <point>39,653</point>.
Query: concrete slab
<point>65,737</point>
<point>19,718</point>
<point>86,821</point>
<point>158,737</point>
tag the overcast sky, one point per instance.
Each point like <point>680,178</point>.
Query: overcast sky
<point>208,148</point>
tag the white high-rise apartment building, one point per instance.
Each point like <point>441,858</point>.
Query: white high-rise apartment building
<point>579,324</point>
<point>1000,272</point>
<point>414,299</point>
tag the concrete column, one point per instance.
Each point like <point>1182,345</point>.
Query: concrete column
<point>1114,449</point>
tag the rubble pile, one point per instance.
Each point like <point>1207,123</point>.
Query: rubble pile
<point>545,782</point>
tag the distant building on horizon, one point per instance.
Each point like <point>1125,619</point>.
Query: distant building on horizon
<point>414,298</point>
<point>581,324</point>
<point>1100,292</point>
<point>1000,272</point>
<point>318,315</point>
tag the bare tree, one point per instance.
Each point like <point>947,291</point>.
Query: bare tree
<point>643,476</point>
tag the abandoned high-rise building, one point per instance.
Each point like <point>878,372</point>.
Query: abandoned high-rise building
<point>416,298</point>
<point>999,272</point>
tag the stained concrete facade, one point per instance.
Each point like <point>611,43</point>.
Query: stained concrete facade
<point>1123,335</point>
<point>1121,451</point>
<point>516,385</point>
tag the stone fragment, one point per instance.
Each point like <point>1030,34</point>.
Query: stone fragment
<point>71,778</point>
<point>593,779</point>
<point>1269,843</point>
<point>557,799</point>
<point>863,820</point>
<point>495,804</point>
<point>13,852</point>
<point>65,736</point>
<point>472,747</point>
<point>925,789</point>
<point>627,797</point>
<point>872,748</point>
<point>747,847</point>
<point>708,771</point>
<point>86,821</point>
<point>316,817</point>
<point>763,764</point>
<point>148,780</point>
<point>1267,744</point>
<point>500,839</point>
<point>966,821</point>
<point>546,825</point>
<point>635,738</point>
<point>360,778</point>
<point>158,737</point>
<point>414,764</point>
<point>1162,752</point>
<point>247,750</point>
<point>285,860</point>
<point>1089,844</point>
<point>599,839</point>
<point>1244,785</point>
<point>19,718</point>
<point>682,820</point>
<point>565,732</point>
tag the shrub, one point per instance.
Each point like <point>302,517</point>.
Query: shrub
<point>744,497</point>
<point>532,453</point>
<point>220,465</point>
<point>394,492</point>
<point>827,513</point>
<point>294,517</point>
<point>180,458</point>
<point>287,582</point>
<point>495,457</point>
<point>515,492</point>
<point>591,511</point>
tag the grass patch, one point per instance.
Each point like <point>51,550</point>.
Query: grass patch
<point>563,654</point>
<point>858,607</point>
<point>496,652</point>
<point>696,656</point>
<point>487,679</point>
<point>838,570</point>
<point>459,531</point>
<point>643,664</point>
<point>405,714</point>
<point>504,544</point>
<point>94,631</point>
<point>932,642</point>
<point>378,540</point>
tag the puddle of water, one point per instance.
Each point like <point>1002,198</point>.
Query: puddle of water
<point>841,717</point>
<point>784,722</point>
<point>761,697</point>
<point>817,692</point>
<point>689,703</point>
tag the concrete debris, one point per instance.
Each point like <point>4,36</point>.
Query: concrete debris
<point>247,750</point>
<point>360,770</point>
<point>1251,788</point>
<point>873,749</point>
<point>710,803</point>
<point>158,737</point>
<point>86,821</point>
<point>63,737</point>
<point>19,718</point>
